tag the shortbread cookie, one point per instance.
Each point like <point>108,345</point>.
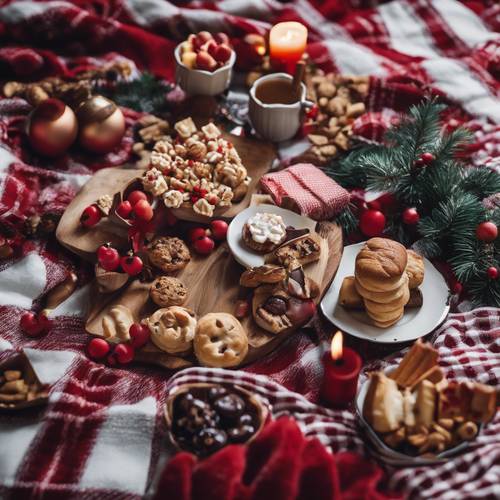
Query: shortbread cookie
<point>300,251</point>
<point>385,317</point>
<point>387,307</point>
<point>168,291</point>
<point>380,324</point>
<point>265,274</point>
<point>375,285</point>
<point>415,269</point>
<point>264,232</point>
<point>169,254</point>
<point>220,341</point>
<point>381,297</point>
<point>172,329</point>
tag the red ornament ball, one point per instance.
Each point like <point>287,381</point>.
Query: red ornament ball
<point>124,353</point>
<point>90,216</point>
<point>139,335</point>
<point>372,222</point>
<point>487,231</point>
<point>204,245</point>
<point>131,264</point>
<point>427,158</point>
<point>219,229</point>
<point>97,348</point>
<point>492,273</point>
<point>410,216</point>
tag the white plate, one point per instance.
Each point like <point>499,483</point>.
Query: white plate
<point>415,322</point>
<point>246,256</point>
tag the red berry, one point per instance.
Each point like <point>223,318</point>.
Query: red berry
<point>90,216</point>
<point>492,273</point>
<point>97,348</point>
<point>410,216</point>
<point>30,324</point>
<point>196,233</point>
<point>221,38</point>
<point>136,196</point>
<point>205,61</point>
<point>131,264</point>
<point>108,257</point>
<point>313,112</point>
<point>124,209</point>
<point>419,163</point>
<point>487,231</point>
<point>372,222</point>
<point>139,335</point>
<point>427,158</point>
<point>204,245</point>
<point>219,229</point>
<point>143,210</point>
<point>222,53</point>
<point>44,321</point>
<point>457,288</point>
<point>124,353</point>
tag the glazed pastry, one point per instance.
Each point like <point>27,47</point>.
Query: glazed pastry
<point>172,329</point>
<point>414,269</point>
<point>117,323</point>
<point>300,251</point>
<point>168,291</point>
<point>265,274</point>
<point>220,341</point>
<point>169,254</point>
<point>264,232</point>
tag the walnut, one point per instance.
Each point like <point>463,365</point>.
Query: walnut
<point>203,207</point>
<point>185,128</point>
<point>173,199</point>
<point>197,151</point>
<point>104,203</point>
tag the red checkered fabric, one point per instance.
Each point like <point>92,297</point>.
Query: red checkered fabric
<point>306,189</point>
<point>102,434</point>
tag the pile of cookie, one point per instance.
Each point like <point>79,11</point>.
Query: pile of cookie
<point>196,168</point>
<point>385,281</point>
<point>417,411</point>
<point>283,294</point>
<point>340,99</point>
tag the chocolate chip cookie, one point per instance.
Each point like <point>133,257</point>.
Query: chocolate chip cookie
<point>167,291</point>
<point>169,254</point>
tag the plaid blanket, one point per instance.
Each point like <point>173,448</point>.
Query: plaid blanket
<point>102,433</point>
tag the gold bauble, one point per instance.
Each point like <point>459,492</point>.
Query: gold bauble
<point>101,123</point>
<point>52,128</point>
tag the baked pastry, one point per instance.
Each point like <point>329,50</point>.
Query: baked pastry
<point>269,308</point>
<point>168,291</point>
<point>117,322</point>
<point>387,307</point>
<point>172,329</point>
<point>268,273</point>
<point>168,253</point>
<point>382,297</point>
<point>301,286</point>
<point>264,232</point>
<point>426,403</point>
<point>220,341</point>
<point>300,251</point>
<point>414,269</point>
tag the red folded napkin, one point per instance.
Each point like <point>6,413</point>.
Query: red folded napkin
<point>307,190</point>
<point>280,464</point>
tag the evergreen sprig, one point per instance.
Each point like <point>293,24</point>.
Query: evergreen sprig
<point>448,195</point>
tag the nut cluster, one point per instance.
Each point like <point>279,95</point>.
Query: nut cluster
<point>340,101</point>
<point>197,167</point>
<point>150,129</point>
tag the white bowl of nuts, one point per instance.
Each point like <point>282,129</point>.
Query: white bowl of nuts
<point>204,64</point>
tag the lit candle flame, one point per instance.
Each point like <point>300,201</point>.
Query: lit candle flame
<point>336,348</point>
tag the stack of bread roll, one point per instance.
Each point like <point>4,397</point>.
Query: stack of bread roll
<point>381,280</point>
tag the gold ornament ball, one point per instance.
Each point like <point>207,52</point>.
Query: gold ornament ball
<point>52,128</point>
<point>102,125</point>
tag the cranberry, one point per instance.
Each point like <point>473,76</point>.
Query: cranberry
<point>410,216</point>
<point>33,325</point>
<point>124,353</point>
<point>136,196</point>
<point>124,209</point>
<point>487,231</point>
<point>204,245</point>
<point>97,348</point>
<point>492,272</point>
<point>108,257</point>
<point>90,216</point>
<point>143,210</point>
<point>427,158</point>
<point>139,335</point>
<point>131,264</point>
<point>196,233</point>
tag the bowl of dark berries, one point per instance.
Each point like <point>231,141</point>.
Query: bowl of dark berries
<point>203,418</point>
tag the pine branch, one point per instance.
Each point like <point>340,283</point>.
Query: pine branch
<point>482,182</point>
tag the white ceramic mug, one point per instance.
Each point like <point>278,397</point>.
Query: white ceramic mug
<point>199,81</point>
<point>276,122</point>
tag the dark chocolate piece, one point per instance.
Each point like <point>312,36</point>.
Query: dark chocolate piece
<point>241,434</point>
<point>209,440</point>
<point>229,406</point>
<point>275,305</point>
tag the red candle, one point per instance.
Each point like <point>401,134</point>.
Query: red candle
<point>341,371</point>
<point>287,43</point>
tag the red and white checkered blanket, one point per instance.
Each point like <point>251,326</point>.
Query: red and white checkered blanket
<point>102,434</point>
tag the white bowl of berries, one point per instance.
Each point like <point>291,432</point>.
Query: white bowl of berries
<point>204,63</point>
